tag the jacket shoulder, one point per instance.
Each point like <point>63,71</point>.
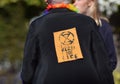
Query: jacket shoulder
<point>35,19</point>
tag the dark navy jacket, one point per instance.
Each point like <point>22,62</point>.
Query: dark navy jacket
<point>40,62</point>
<point>106,32</point>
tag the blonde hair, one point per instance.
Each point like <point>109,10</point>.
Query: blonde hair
<point>94,12</point>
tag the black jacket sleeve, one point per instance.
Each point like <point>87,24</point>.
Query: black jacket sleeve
<point>30,56</point>
<point>110,47</point>
<point>107,35</point>
<point>101,59</point>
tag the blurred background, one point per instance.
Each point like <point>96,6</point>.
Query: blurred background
<point>14,21</point>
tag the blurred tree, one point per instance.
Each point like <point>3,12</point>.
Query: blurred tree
<point>14,16</point>
<point>6,2</point>
<point>12,29</point>
<point>109,6</point>
<point>29,2</point>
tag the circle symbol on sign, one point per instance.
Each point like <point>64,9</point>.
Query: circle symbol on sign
<point>66,38</point>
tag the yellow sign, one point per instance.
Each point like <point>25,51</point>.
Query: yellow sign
<point>67,45</point>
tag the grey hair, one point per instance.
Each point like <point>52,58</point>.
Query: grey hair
<point>59,1</point>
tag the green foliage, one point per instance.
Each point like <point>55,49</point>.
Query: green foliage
<point>14,19</point>
<point>5,2</point>
<point>33,2</point>
<point>12,30</point>
<point>117,77</point>
<point>29,2</point>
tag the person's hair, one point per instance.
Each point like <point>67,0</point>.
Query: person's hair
<point>58,1</point>
<point>94,12</point>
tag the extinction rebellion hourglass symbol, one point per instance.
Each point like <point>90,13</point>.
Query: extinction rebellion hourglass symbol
<point>66,38</point>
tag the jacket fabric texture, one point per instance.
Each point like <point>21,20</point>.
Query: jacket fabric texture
<point>40,62</point>
<point>107,35</point>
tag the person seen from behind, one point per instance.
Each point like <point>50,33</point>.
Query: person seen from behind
<point>90,8</point>
<point>64,47</point>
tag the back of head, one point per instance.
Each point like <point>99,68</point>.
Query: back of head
<point>58,1</point>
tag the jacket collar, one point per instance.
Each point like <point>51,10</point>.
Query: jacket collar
<point>55,10</point>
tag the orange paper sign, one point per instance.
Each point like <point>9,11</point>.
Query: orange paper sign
<point>67,45</point>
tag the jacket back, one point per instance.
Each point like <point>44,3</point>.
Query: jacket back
<point>64,47</point>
